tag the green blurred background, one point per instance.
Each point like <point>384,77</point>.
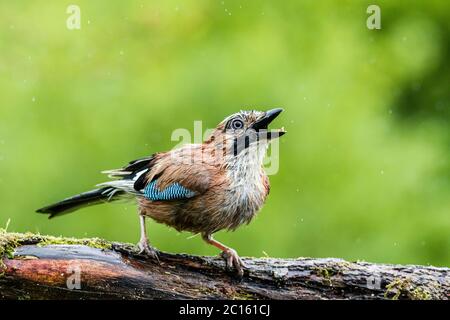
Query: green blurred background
<point>364,169</point>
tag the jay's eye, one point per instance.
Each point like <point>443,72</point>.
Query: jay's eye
<point>237,124</point>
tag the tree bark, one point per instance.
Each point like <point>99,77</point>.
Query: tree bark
<point>42,267</point>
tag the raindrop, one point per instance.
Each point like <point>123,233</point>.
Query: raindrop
<point>33,99</point>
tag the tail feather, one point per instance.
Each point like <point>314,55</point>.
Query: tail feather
<point>84,199</point>
<point>109,191</point>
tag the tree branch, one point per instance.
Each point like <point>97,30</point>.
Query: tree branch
<point>44,267</point>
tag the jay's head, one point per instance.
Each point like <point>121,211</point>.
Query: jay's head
<point>246,131</point>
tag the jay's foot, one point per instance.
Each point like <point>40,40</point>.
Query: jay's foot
<point>145,248</point>
<point>232,260</point>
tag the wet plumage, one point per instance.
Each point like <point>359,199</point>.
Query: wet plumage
<point>201,188</point>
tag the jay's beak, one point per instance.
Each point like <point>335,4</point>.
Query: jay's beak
<point>262,124</point>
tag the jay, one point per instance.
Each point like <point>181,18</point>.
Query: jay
<point>201,188</point>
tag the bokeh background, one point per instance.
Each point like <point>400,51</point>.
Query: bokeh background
<point>364,169</point>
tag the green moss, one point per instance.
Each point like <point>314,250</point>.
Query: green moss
<point>404,287</point>
<point>244,296</point>
<point>9,241</point>
<point>345,265</point>
<point>420,294</point>
<point>90,242</point>
<point>7,245</point>
<point>325,273</point>
<point>395,287</point>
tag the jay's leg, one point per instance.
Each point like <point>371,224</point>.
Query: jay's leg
<point>230,255</point>
<point>143,244</point>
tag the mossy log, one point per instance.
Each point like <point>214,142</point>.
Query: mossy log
<point>44,267</point>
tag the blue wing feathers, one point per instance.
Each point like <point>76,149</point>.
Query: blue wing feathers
<point>175,191</point>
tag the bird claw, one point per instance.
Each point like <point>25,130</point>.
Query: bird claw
<point>233,260</point>
<point>145,248</point>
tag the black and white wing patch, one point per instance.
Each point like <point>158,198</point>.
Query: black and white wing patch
<point>132,177</point>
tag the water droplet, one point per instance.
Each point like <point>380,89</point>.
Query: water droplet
<point>121,52</point>
<point>382,171</point>
<point>33,99</point>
